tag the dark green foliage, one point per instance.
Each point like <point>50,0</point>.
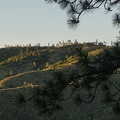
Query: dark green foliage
<point>77,100</point>
<point>105,87</point>
<point>20,99</point>
<point>116,109</point>
<point>108,98</point>
<point>37,91</point>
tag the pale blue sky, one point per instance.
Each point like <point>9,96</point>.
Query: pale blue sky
<point>34,21</point>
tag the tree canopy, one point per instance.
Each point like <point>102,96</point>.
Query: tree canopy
<point>75,8</point>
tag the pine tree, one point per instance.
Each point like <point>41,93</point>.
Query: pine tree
<point>76,8</point>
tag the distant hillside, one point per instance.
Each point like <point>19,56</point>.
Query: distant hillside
<point>26,70</point>
<point>18,62</point>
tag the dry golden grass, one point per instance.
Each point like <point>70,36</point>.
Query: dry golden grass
<point>95,52</point>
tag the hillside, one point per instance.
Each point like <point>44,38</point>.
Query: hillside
<point>26,64</point>
<point>25,69</point>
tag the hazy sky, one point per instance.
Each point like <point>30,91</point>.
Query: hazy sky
<point>34,21</point>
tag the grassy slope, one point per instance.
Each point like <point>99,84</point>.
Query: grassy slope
<point>46,60</point>
<point>57,59</point>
